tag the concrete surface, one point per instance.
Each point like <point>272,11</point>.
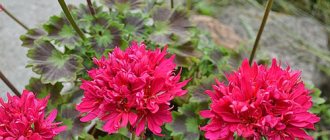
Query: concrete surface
<point>12,56</point>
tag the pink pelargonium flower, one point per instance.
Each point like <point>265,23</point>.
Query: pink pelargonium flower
<point>260,102</point>
<point>23,118</point>
<point>131,88</point>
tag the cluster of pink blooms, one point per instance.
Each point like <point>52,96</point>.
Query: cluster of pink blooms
<point>133,89</point>
<point>23,118</point>
<point>260,102</point>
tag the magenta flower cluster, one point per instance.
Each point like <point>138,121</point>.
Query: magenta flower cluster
<point>133,89</point>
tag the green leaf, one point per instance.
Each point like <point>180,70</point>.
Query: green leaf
<point>42,90</point>
<point>185,123</point>
<point>32,35</point>
<point>106,38</point>
<point>192,125</point>
<point>178,125</point>
<point>197,92</point>
<point>185,54</point>
<point>318,100</point>
<point>170,26</point>
<point>86,136</point>
<point>60,30</point>
<point>70,117</point>
<point>52,65</point>
<point>134,25</point>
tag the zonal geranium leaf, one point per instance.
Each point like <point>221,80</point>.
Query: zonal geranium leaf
<point>31,36</point>
<point>86,20</point>
<point>185,122</point>
<point>70,117</point>
<point>42,90</point>
<point>188,49</point>
<point>170,26</point>
<point>108,38</point>
<point>52,65</point>
<point>62,32</point>
<point>161,14</point>
<point>185,54</point>
<point>134,25</point>
<point>179,25</point>
<point>198,92</point>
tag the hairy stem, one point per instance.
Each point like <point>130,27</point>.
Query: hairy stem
<point>13,17</point>
<point>90,7</point>
<point>9,84</point>
<point>261,29</point>
<point>70,18</point>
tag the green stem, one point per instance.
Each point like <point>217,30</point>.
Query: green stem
<point>172,4</point>
<point>70,18</point>
<point>90,7</point>
<point>133,136</point>
<point>13,17</point>
<point>188,5</point>
<point>261,29</point>
<point>9,84</point>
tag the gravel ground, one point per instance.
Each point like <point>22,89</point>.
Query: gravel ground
<point>12,56</point>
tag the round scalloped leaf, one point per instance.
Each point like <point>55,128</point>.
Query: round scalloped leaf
<point>52,65</point>
<point>170,26</point>
<point>60,30</point>
<point>86,20</point>
<point>32,36</point>
<point>134,25</point>
<point>108,38</point>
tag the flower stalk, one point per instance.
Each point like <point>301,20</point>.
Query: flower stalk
<point>261,29</point>
<point>90,7</point>
<point>133,137</point>
<point>172,4</point>
<point>9,84</point>
<point>70,18</point>
<point>188,5</point>
<point>2,8</point>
